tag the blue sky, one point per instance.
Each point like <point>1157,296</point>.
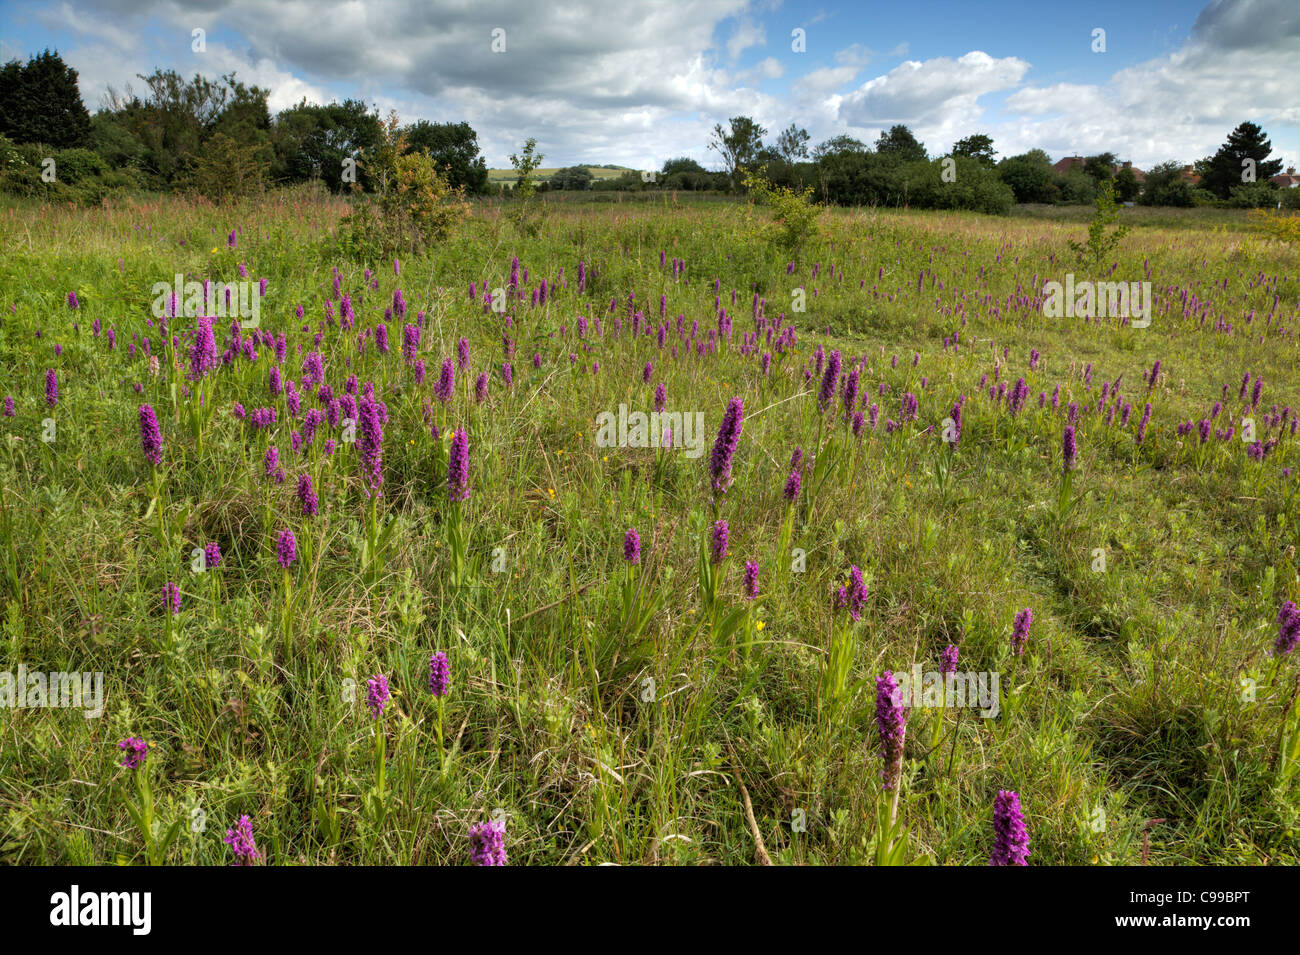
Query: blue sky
<point>635,83</point>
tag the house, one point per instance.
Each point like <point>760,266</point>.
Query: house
<point>1286,180</point>
<point>1191,176</point>
<point>1138,174</point>
<point>1068,163</point>
<point>1078,162</point>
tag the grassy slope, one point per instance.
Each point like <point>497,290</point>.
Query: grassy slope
<point>1127,700</point>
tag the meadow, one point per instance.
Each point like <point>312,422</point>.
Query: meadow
<point>264,565</point>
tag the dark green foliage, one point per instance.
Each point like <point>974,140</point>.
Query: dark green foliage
<point>41,103</point>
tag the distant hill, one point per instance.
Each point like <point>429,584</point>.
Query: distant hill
<point>545,173</point>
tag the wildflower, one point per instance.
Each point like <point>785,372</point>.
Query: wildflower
<point>954,434</point>
<point>287,548</point>
<point>172,598</point>
<point>891,721</point>
<point>307,495</point>
<point>51,388</point>
<point>751,580</point>
<point>439,674</point>
<point>212,555</point>
<point>1068,449</point>
<point>240,840</point>
<point>488,843</point>
<point>1020,630</point>
<point>1012,839</point>
<point>370,439</point>
<point>135,750</point>
<point>948,659</point>
<point>1288,629</point>
<point>724,447</point>
<point>203,353</point>
<point>446,386</point>
<point>792,484</point>
<point>632,546</point>
<point>458,467</point>
<point>377,695</point>
<point>854,594</point>
<point>150,435</point>
<point>410,342</point>
<point>718,551</point>
<point>829,381</point>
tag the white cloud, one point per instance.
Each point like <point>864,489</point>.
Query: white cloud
<point>636,81</point>
<point>747,34</point>
<point>1239,65</point>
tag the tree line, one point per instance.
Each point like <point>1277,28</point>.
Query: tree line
<point>219,138</point>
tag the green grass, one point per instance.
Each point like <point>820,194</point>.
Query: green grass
<point>543,174</point>
<point>1128,700</point>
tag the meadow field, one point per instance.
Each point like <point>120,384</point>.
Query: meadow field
<point>366,573</point>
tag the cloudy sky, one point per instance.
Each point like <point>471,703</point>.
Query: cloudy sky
<point>635,82</point>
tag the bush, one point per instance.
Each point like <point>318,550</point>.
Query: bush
<point>971,186</point>
<point>796,217</point>
<point>1077,187</point>
<point>228,170</point>
<point>418,207</point>
<point>1252,195</point>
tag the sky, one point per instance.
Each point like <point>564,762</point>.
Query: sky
<point>636,82</point>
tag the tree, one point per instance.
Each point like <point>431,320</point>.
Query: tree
<point>739,145</point>
<point>572,177</point>
<point>1247,146</point>
<point>1253,195</point>
<point>796,216</point>
<point>1165,186</point>
<point>1100,167</point>
<point>899,145</point>
<point>1127,186</point>
<point>453,147</point>
<point>413,208</point>
<point>682,164</point>
<point>976,146</point>
<point>1102,238</point>
<point>836,145</point>
<point>1030,176</point>
<point>40,102</point>
<point>524,163</point>
<point>177,118</point>
<point>685,173</point>
<point>792,143</point>
<point>227,169</point>
<point>315,142</point>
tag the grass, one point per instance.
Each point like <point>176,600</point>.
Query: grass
<point>1147,690</point>
<point>498,176</point>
